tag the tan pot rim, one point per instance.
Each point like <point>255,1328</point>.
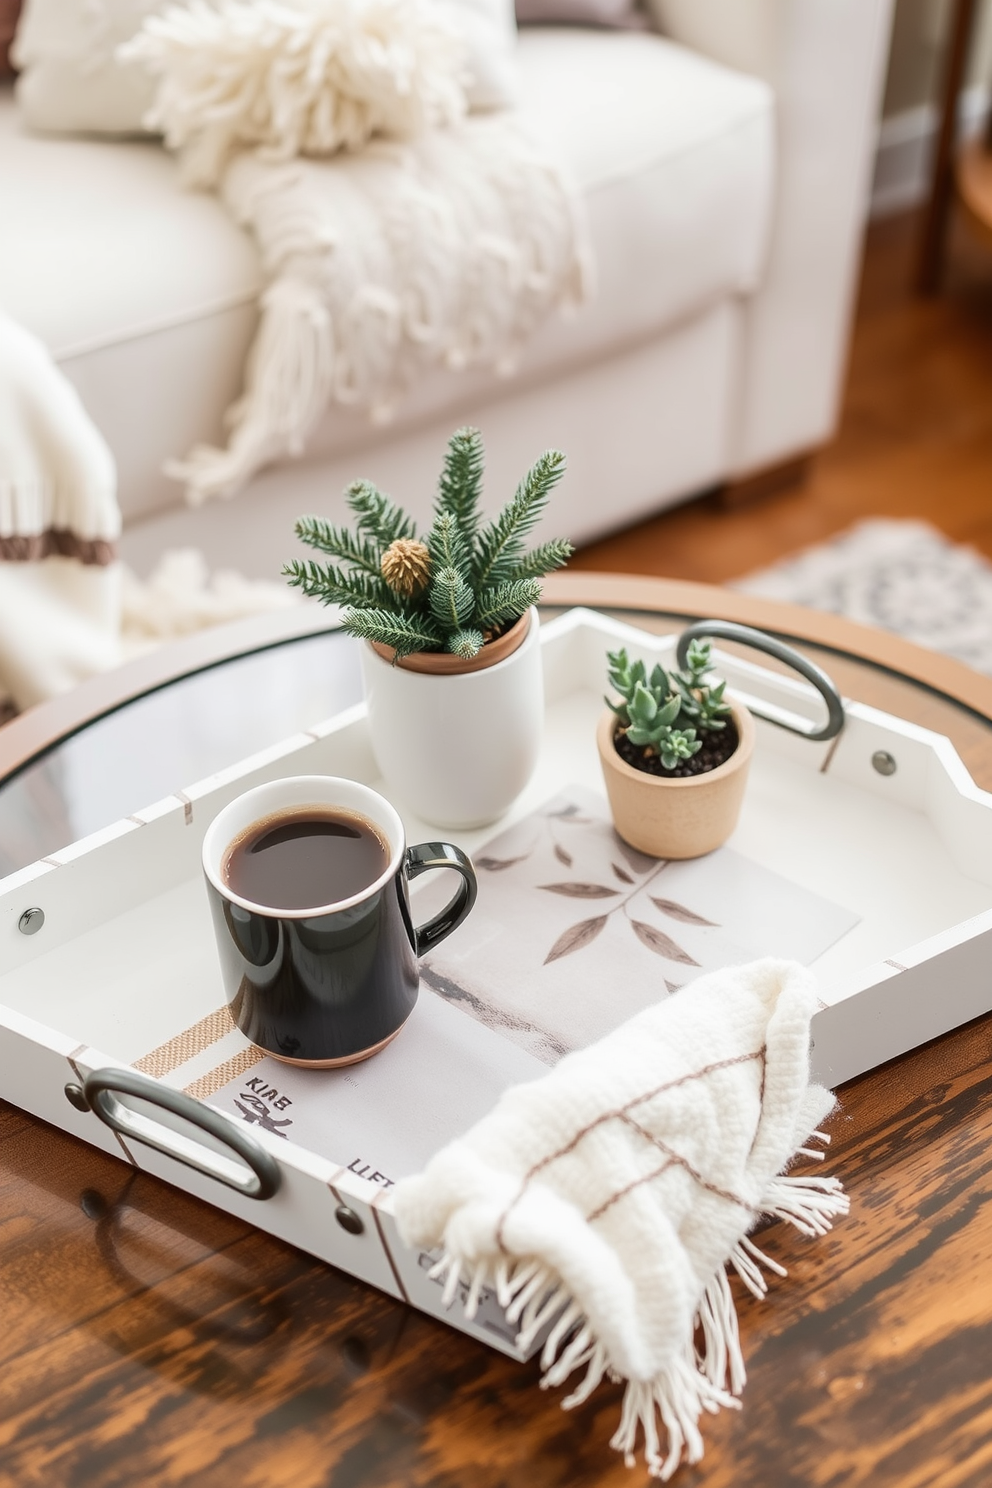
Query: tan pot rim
<point>609,725</point>
<point>442,664</point>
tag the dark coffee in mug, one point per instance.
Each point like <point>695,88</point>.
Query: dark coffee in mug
<point>306,857</point>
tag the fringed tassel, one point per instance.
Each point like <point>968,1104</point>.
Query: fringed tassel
<point>289,380</point>
<point>809,1203</point>
<point>703,1378</point>
<point>679,1395</point>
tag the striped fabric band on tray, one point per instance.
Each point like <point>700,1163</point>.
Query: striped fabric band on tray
<point>177,1051</point>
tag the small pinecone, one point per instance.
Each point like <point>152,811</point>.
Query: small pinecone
<point>406,566</point>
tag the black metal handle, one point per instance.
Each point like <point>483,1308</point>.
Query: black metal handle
<point>262,1177</point>
<point>759,640</point>
<point>422,859</point>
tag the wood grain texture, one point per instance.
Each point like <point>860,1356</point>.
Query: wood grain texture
<point>150,1339</point>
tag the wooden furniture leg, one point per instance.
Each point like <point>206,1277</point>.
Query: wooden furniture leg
<point>931,254</point>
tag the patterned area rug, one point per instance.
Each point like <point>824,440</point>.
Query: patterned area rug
<point>900,576</point>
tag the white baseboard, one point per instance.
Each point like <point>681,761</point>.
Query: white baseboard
<point>905,149</point>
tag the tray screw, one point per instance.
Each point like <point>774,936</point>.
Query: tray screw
<point>31,921</point>
<point>74,1095</point>
<point>349,1220</point>
<point>883,762</point>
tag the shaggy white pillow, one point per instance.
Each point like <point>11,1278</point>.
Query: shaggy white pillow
<point>71,82</point>
<point>297,77</point>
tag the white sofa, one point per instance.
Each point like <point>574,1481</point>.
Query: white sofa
<point>724,172</point>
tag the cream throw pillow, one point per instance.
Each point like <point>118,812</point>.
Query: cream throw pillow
<point>71,83</point>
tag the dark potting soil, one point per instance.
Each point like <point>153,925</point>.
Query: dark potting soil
<point>718,746</point>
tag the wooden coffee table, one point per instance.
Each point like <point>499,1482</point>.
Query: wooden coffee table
<point>151,1339</point>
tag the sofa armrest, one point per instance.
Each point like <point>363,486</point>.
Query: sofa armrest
<point>826,61</point>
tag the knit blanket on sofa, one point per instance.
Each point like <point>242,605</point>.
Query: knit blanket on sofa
<point>429,240</point>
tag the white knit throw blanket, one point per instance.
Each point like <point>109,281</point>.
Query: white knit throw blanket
<point>68,608</point>
<point>606,1201</point>
<point>432,247</point>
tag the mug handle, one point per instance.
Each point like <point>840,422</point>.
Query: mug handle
<point>421,859</point>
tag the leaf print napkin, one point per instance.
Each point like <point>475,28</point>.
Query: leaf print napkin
<point>573,931</point>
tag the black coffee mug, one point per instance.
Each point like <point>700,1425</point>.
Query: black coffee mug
<point>333,984</point>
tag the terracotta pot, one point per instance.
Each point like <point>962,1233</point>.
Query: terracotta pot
<point>676,818</point>
<point>458,745</point>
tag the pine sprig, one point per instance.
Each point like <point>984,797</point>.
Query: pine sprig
<point>453,589</point>
<point>460,486</point>
<point>333,586</point>
<point>448,545</point>
<point>377,516</point>
<point>338,543</point>
<point>451,600</point>
<point>507,601</point>
<point>544,559</point>
<point>466,643</point>
<point>499,547</point>
<point>405,633</point>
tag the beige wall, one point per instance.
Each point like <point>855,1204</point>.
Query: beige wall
<point>918,38</point>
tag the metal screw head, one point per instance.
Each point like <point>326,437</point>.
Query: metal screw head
<point>74,1095</point>
<point>883,762</point>
<point>31,921</point>
<point>349,1220</point>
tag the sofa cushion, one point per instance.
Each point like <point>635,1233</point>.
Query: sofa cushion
<point>123,274</point>
<point>72,81</point>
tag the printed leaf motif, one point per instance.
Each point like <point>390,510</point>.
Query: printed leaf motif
<point>660,944</point>
<point>496,865</point>
<point>575,938</point>
<point>679,912</point>
<point>580,890</point>
<point>568,814</point>
<point>563,856</point>
<point>674,986</point>
<point>621,873</point>
<point>637,862</point>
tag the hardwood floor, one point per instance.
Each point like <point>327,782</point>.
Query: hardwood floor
<point>915,438</point>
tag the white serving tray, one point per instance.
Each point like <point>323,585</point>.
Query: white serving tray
<point>125,961</point>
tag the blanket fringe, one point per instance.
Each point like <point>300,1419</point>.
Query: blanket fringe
<point>708,1375</point>
<point>289,380</point>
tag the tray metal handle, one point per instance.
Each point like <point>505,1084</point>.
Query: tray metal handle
<point>759,640</point>
<point>257,1175</point>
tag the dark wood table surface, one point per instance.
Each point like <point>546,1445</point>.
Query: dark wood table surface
<point>150,1339</point>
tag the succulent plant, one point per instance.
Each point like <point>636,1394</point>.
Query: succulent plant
<point>666,711</point>
<point>460,585</point>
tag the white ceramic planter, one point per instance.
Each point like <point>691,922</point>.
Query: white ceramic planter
<point>458,749</point>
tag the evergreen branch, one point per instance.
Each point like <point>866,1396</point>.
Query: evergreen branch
<point>377,515</point>
<point>499,545</point>
<point>466,643</point>
<point>448,547</point>
<point>505,602</point>
<point>333,586</point>
<point>451,600</point>
<point>543,559</point>
<point>460,485</point>
<point>339,543</point>
<point>405,633</point>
